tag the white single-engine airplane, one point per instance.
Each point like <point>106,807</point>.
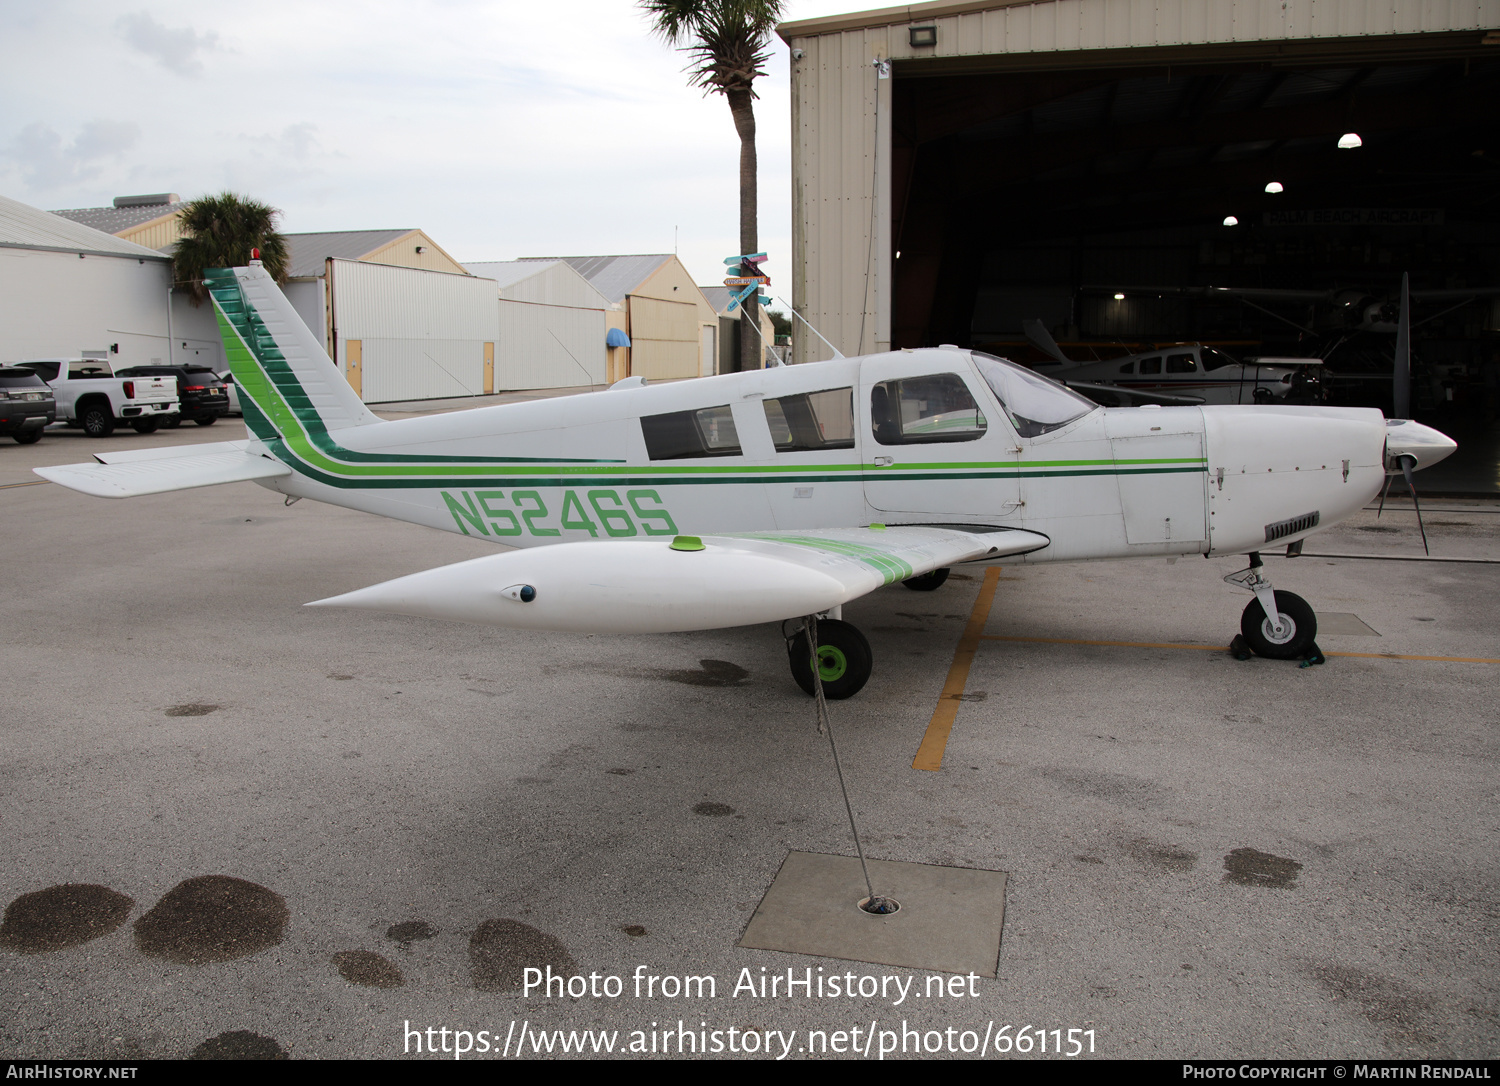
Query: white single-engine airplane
<point>775,494</point>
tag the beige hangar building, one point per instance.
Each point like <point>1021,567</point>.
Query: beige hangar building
<point>962,165</point>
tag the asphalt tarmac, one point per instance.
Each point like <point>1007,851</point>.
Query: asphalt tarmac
<point>326,833</point>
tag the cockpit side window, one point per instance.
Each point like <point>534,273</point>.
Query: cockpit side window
<point>808,421</point>
<point>922,410</point>
<point>708,431</point>
<point>1182,363</point>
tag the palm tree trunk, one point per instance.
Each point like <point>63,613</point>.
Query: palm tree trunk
<point>741,106</point>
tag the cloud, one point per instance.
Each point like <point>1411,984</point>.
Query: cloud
<point>46,163</point>
<point>174,50</point>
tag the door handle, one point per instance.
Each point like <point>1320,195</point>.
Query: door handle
<point>884,461</point>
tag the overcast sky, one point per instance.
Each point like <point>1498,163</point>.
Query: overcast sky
<point>503,129</point>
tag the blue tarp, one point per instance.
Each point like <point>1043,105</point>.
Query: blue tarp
<point>617,338</point>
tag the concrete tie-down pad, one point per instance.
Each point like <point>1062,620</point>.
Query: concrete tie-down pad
<point>950,918</point>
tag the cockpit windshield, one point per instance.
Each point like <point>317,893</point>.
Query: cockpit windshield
<point>1036,405</point>
<point>1215,360</point>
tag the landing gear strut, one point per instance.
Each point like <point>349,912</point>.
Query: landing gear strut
<point>1276,625</point>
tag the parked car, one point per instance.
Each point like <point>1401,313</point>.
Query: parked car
<point>234,393</point>
<point>27,405</point>
<point>91,397</point>
<point>201,395</point>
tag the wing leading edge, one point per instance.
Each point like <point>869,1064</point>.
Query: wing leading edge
<point>662,586</point>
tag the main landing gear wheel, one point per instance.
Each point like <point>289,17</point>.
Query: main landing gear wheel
<point>844,660</point>
<point>926,582</point>
<point>1300,628</point>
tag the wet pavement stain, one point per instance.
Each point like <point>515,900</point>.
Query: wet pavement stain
<point>341,678</point>
<point>1249,867</point>
<point>212,918</point>
<point>1407,1016</point>
<point>62,916</point>
<point>712,673</point>
<point>713,810</point>
<point>1376,528</point>
<point>368,969</point>
<point>635,931</point>
<point>500,950</point>
<point>239,1044</point>
<point>192,708</point>
<point>1165,857</point>
<point>410,931</point>
<point>620,772</point>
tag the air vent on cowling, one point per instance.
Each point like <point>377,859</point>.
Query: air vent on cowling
<point>1283,528</point>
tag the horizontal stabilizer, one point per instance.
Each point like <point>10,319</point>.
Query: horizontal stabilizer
<point>171,452</point>
<point>161,474</point>
<point>662,586</point>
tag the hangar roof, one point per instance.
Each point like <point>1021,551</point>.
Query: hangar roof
<point>307,252</point>
<point>25,227</point>
<point>114,220</point>
<point>614,276</point>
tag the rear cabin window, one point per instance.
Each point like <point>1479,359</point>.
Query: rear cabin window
<point>923,410</point>
<point>680,435</point>
<point>1182,363</point>
<point>1151,365</point>
<point>810,421</point>
<point>1128,367</point>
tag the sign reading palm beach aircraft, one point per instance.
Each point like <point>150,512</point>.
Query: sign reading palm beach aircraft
<point>775,494</point>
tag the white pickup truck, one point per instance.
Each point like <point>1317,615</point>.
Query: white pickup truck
<point>89,395</point>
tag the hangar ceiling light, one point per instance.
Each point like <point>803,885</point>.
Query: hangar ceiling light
<point>1350,140</point>
<point>1119,297</point>
<point>1274,186</point>
<point>1230,220</point>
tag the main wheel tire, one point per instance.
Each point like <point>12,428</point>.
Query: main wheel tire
<point>1295,612</point>
<point>927,582</point>
<point>206,420</point>
<point>97,420</point>
<point>145,426</point>
<point>844,660</point>
<point>28,437</point>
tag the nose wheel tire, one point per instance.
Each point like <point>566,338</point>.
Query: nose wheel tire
<point>926,582</point>
<point>844,660</point>
<point>1299,623</point>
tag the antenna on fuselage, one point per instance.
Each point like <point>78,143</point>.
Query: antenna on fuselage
<point>793,310</point>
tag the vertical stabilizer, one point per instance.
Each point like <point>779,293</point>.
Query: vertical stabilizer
<point>286,380</point>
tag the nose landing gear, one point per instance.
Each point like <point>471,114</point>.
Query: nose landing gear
<point>1276,625</point>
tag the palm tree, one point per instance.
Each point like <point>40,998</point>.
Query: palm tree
<point>220,232</point>
<point>727,40</point>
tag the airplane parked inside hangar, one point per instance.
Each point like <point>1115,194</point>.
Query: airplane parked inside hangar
<point>1181,374</point>
<point>776,494</point>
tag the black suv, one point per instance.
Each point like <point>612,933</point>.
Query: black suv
<point>26,404</point>
<point>199,390</point>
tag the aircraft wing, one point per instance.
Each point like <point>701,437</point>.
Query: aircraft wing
<point>686,583</point>
<point>1117,396</point>
<point>133,474</point>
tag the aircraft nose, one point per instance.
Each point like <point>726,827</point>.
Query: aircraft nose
<point>1423,444</point>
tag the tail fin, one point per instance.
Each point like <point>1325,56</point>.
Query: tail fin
<point>289,387</point>
<point>1042,340</point>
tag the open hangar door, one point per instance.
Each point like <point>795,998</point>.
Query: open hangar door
<point>1022,191</point>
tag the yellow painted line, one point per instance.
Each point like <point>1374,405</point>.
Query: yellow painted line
<point>1221,648</point>
<point>12,486</point>
<point>935,742</point>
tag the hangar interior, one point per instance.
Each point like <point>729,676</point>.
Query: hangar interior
<point>1021,190</point>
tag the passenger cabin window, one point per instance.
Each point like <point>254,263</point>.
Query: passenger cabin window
<point>1182,363</point>
<point>1151,365</point>
<point>708,431</point>
<point>923,410</point>
<point>1128,367</point>
<point>812,420</point>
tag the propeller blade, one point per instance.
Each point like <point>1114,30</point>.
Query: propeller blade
<point>1406,463</point>
<point>1401,380</point>
<point>1383,492</point>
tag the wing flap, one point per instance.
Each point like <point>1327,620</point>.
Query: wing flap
<point>160,475</point>
<point>657,586</point>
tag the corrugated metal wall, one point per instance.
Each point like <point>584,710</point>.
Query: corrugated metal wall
<point>841,212</point>
<point>548,346</point>
<point>664,340</point>
<point>423,333</point>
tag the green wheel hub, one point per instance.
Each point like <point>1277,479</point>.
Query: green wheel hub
<point>832,663</point>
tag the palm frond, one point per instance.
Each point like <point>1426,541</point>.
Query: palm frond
<point>221,232</point>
